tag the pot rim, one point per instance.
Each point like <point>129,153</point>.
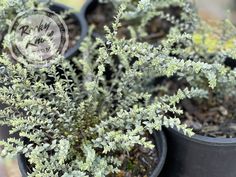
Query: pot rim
<point>22,165</point>
<point>206,139</point>
<point>80,18</point>
<point>161,145</point>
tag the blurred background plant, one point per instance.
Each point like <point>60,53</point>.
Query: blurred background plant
<point>76,4</point>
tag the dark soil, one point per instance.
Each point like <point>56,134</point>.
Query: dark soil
<point>100,15</point>
<point>211,119</point>
<point>206,117</point>
<point>158,28</point>
<point>74,30</point>
<point>140,162</point>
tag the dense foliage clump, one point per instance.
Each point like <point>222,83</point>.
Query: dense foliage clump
<point>73,120</point>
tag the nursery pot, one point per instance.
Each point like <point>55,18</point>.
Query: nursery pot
<point>199,156</point>
<point>161,145</point>
<point>230,62</point>
<point>4,130</point>
<point>79,20</point>
<point>160,142</point>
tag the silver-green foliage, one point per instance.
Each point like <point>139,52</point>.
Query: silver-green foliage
<point>10,8</point>
<point>211,46</point>
<point>75,123</point>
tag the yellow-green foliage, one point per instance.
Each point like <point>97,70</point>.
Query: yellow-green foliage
<point>75,4</point>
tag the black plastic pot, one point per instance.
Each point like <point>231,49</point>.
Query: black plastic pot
<point>80,20</point>
<point>161,145</point>
<point>230,62</point>
<point>4,130</point>
<point>160,142</point>
<point>199,156</point>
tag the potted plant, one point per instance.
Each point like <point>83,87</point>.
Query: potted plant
<point>149,20</point>
<point>8,11</point>
<point>88,124</point>
<point>92,123</point>
<point>75,21</point>
<point>77,28</point>
<point>211,152</point>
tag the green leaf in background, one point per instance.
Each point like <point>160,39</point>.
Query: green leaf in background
<point>76,4</point>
